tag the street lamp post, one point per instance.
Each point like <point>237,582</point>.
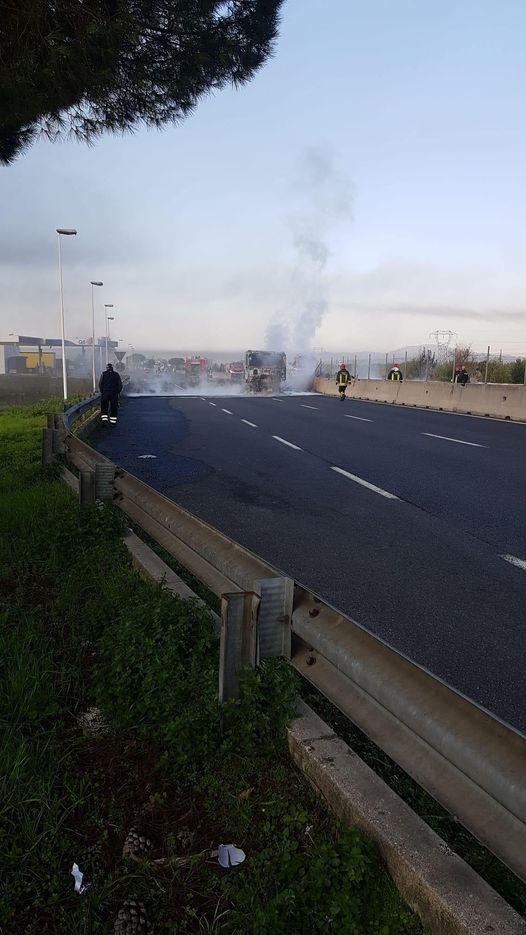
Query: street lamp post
<point>93,283</point>
<point>108,319</point>
<point>67,232</point>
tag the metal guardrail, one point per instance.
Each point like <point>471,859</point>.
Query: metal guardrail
<point>467,759</point>
<point>75,412</point>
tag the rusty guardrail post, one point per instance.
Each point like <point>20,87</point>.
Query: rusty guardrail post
<point>47,446</point>
<point>58,435</point>
<point>87,487</point>
<point>238,640</point>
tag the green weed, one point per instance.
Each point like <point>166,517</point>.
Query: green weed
<point>79,628</point>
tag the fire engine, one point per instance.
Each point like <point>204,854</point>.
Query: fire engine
<point>195,369</point>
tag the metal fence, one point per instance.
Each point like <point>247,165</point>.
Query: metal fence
<point>467,759</point>
<point>429,363</point>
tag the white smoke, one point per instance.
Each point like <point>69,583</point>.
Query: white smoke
<point>154,384</point>
<point>277,337</point>
<point>322,200</point>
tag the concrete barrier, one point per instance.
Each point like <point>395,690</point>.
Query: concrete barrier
<point>500,400</point>
<point>19,388</point>
<point>449,897</point>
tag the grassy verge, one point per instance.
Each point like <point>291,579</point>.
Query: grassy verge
<point>442,822</point>
<point>110,733</point>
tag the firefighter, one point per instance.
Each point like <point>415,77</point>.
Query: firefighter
<point>395,374</point>
<point>343,378</point>
<point>110,385</point>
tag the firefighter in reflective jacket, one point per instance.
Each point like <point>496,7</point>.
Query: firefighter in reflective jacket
<point>342,380</point>
<point>395,373</point>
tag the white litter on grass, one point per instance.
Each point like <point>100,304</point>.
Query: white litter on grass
<point>80,887</point>
<point>229,855</point>
<point>93,722</point>
<point>146,456</point>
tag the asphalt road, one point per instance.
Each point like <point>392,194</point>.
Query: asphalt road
<point>399,517</point>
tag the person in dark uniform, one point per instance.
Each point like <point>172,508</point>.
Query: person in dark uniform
<point>110,385</point>
<point>462,376</point>
<point>395,373</point>
<point>343,378</point>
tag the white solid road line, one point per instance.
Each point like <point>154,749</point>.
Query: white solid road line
<point>276,400</point>
<point>518,562</point>
<point>227,412</point>
<point>212,404</point>
<point>253,424</point>
<point>285,442</point>
<point>365,483</point>
<point>359,418</point>
<point>308,407</point>
<point>459,441</point>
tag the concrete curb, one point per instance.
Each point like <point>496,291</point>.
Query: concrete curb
<point>444,891</point>
<point>152,568</point>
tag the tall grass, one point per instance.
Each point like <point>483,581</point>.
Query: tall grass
<point>78,628</point>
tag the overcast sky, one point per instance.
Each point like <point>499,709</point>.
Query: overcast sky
<point>367,188</point>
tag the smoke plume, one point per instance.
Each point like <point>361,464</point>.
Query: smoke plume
<point>321,197</point>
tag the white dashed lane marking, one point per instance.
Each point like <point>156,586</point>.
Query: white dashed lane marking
<point>252,424</point>
<point>518,562</point>
<point>359,418</point>
<point>227,412</point>
<point>211,404</point>
<point>365,483</point>
<point>303,406</point>
<point>445,438</point>
<point>285,442</point>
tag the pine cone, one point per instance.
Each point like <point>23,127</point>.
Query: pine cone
<point>185,837</point>
<point>136,845</point>
<point>131,919</point>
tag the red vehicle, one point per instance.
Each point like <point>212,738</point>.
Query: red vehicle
<point>195,369</point>
<point>236,371</point>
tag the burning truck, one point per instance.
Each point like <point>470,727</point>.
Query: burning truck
<point>265,371</point>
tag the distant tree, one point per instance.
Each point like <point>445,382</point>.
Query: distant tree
<point>135,361</point>
<point>517,370</point>
<point>498,371</point>
<point>464,357</point>
<point>149,364</point>
<point>421,367</point>
<point>71,68</point>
